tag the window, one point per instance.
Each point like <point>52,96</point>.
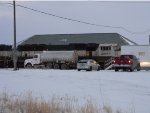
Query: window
<point>126,57</point>
<point>106,48</point>
<point>141,53</point>
<point>35,56</point>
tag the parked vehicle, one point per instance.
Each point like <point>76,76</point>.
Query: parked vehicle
<point>88,65</point>
<point>142,52</point>
<point>126,62</point>
<point>52,59</point>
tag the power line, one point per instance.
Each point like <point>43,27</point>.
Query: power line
<point>79,21</point>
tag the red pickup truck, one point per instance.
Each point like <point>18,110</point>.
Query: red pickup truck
<point>126,62</point>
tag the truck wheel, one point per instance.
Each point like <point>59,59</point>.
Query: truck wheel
<point>64,66</point>
<point>98,68</point>
<point>124,69</point>
<point>56,66</point>
<point>131,70</point>
<point>138,67</point>
<point>78,69</point>
<point>116,69</point>
<point>49,66</point>
<point>29,66</point>
<point>90,69</point>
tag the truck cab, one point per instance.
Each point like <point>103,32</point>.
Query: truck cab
<point>29,63</point>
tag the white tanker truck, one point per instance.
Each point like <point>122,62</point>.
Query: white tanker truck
<point>53,60</point>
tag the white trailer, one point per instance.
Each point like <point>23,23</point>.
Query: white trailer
<point>53,59</point>
<point>142,52</point>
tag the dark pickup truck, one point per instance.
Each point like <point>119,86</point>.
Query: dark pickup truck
<point>126,63</point>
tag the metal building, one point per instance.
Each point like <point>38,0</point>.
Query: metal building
<point>87,41</point>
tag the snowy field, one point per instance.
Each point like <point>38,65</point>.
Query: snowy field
<point>129,91</point>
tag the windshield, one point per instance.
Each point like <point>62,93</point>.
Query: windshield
<point>83,61</point>
<point>126,57</point>
<point>35,56</point>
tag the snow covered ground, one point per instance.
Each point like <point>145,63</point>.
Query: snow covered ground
<point>129,91</point>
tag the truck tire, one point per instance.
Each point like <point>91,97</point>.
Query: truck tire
<point>90,69</point>
<point>49,66</point>
<point>28,66</point>
<point>64,66</point>
<point>98,68</point>
<point>131,70</point>
<point>56,66</point>
<point>138,67</point>
<point>124,69</point>
<point>116,69</point>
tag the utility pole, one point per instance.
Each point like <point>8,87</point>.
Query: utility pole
<point>14,48</point>
<point>149,39</point>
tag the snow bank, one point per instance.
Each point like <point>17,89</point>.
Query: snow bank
<point>129,91</point>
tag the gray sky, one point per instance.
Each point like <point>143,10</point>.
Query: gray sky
<point>133,16</point>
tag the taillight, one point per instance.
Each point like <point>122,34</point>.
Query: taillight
<point>113,61</point>
<point>130,62</point>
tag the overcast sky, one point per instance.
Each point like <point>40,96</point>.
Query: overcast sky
<point>133,16</point>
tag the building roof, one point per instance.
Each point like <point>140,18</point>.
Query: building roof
<point>65,39</point>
